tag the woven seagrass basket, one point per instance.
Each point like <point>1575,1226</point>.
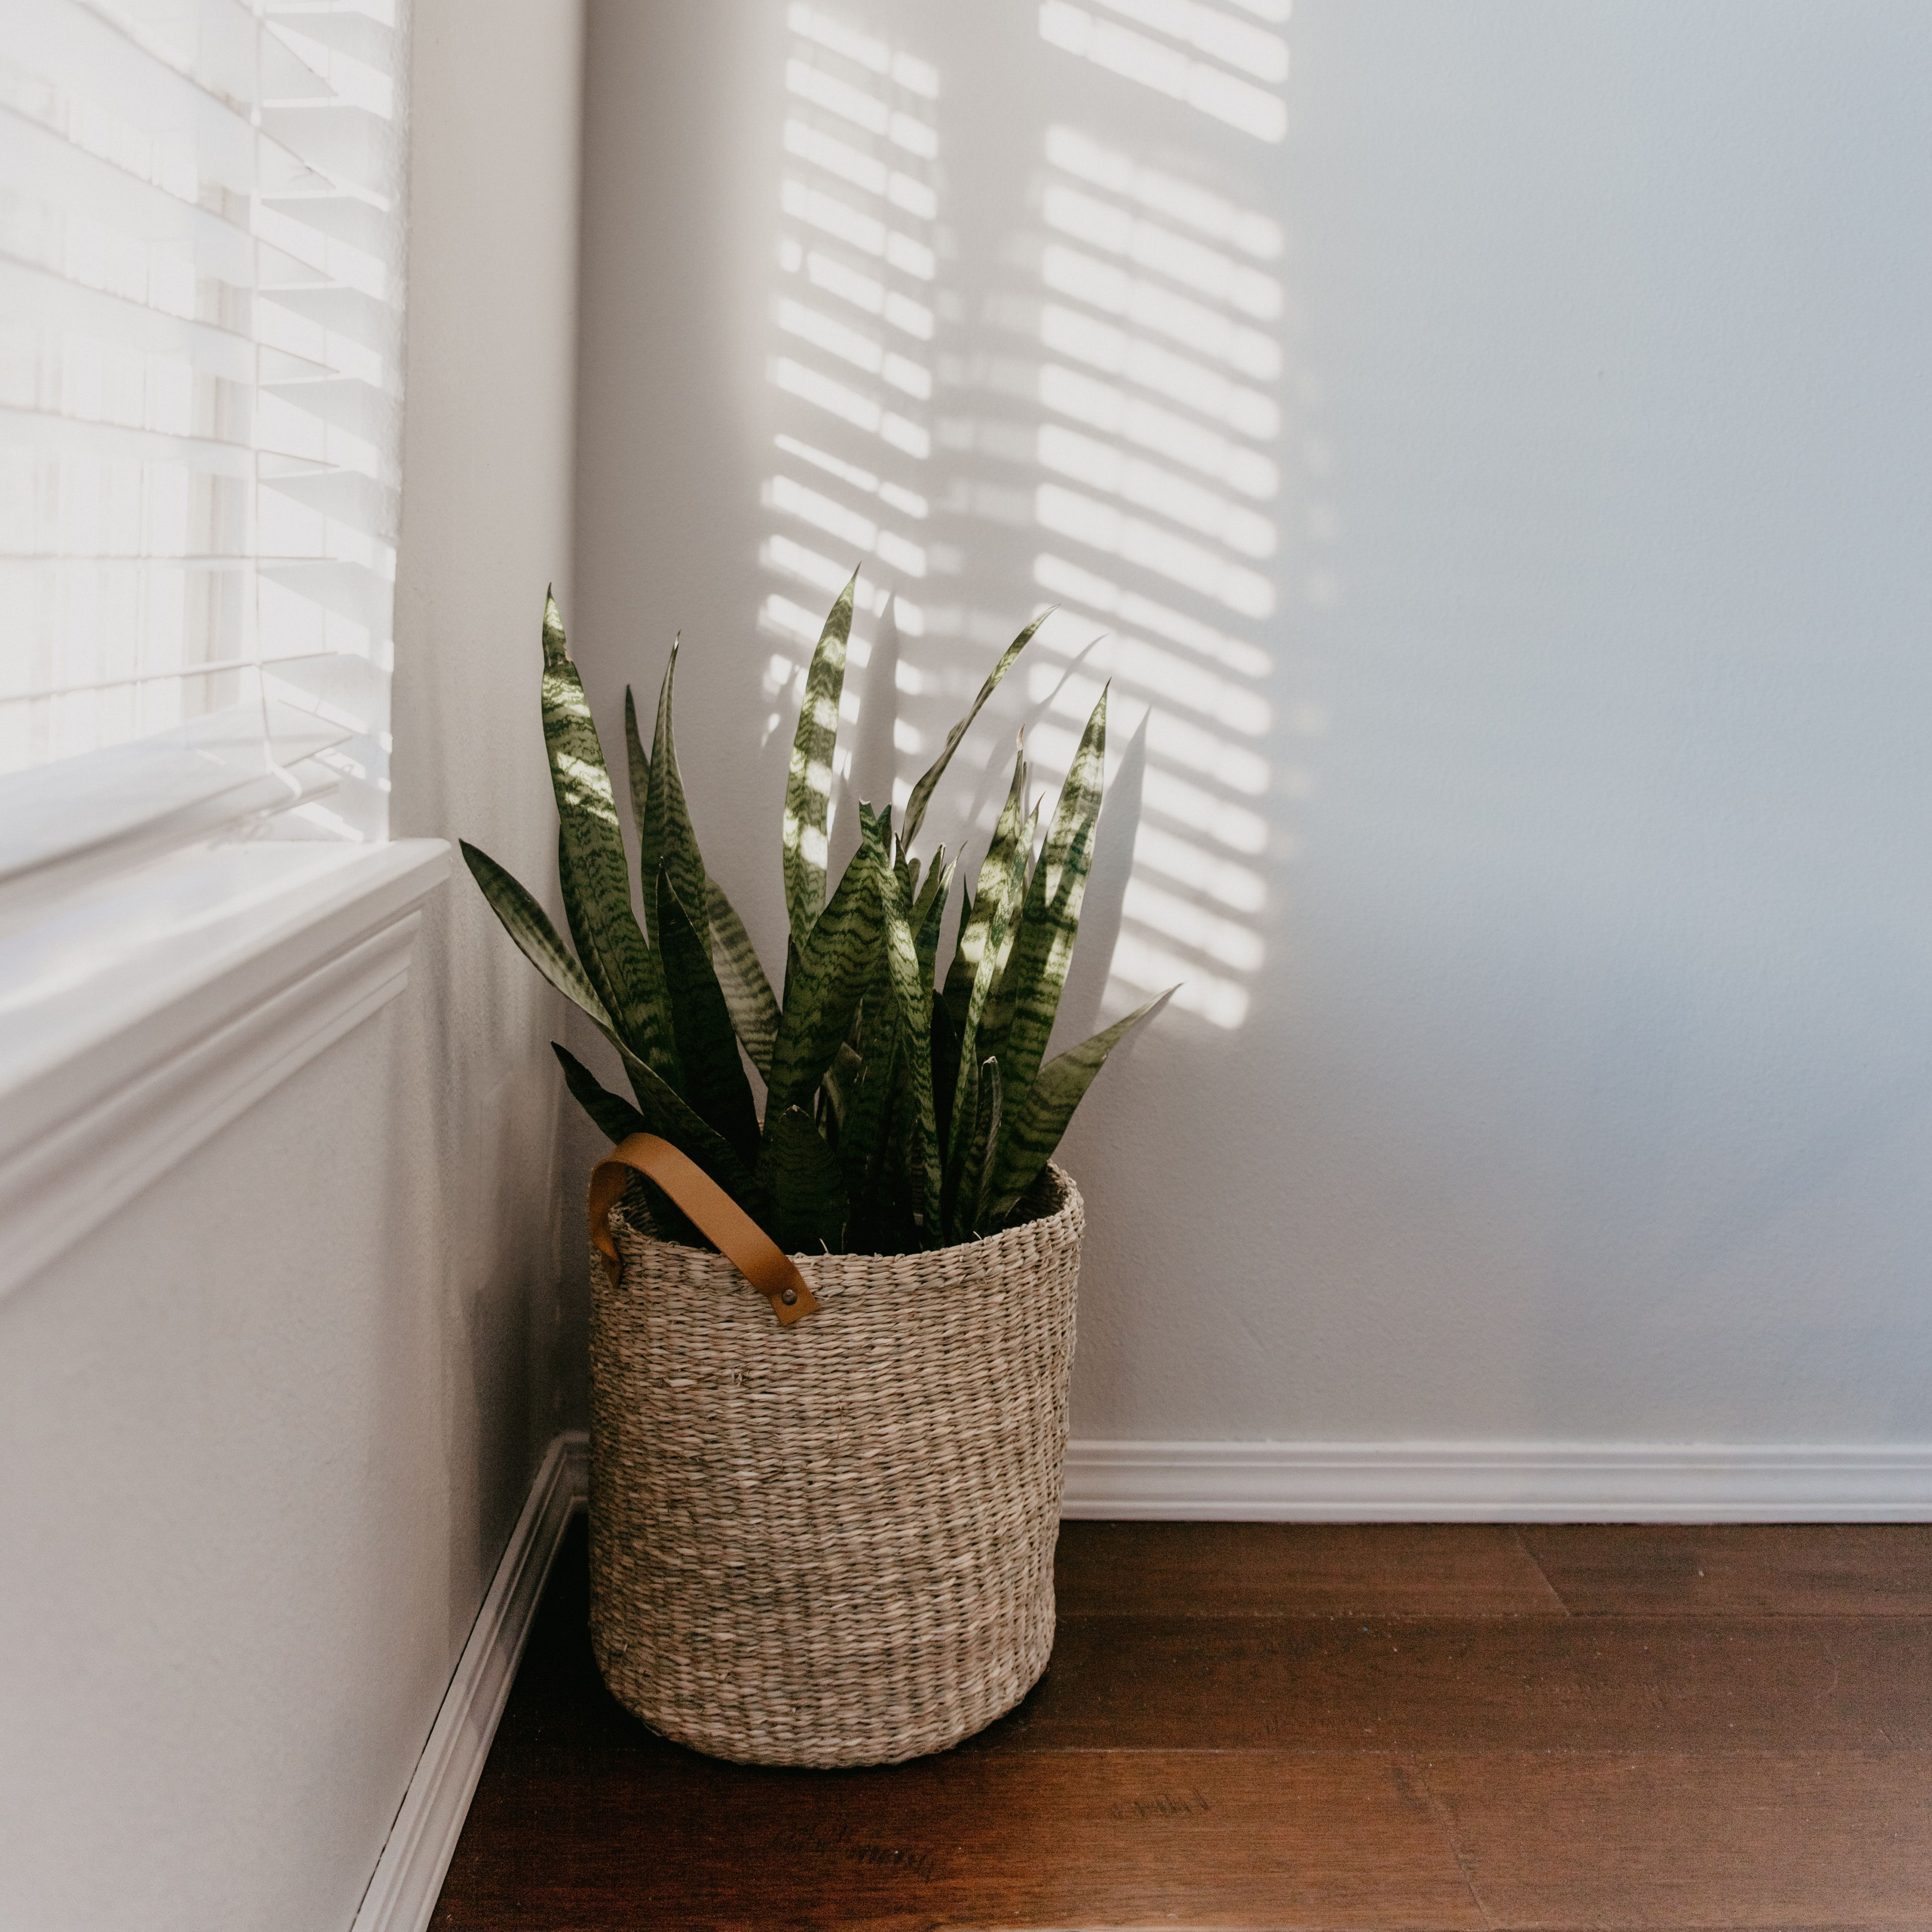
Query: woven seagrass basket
<point>831,1543</point>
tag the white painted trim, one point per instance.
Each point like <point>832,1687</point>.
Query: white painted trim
<point>119,1056</point>
<point>1498,1482</point>
<point>1241,1482</point>
<point>408,1876</point>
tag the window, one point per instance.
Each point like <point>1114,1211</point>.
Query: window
<point>200,404</point>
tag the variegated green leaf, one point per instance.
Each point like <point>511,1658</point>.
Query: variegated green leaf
<point>616,1119</point>
<point>596,882</point>
<point>753,1006</point>
<point>924,894</point>
<point>1062,1084</point>
<point>666,1114</point>
<point>922,792</point>
<point>977,1195</point>
<point>977,909</point>
<point>809,782</point>
<point>839,1082</point>
<point>666,836</point>
<point>707,1047</point>
<point>529,924</point>
<point>662,1048</point>
<point>802,1175</point>
<point>926,928</point>
<point>1023,1008</point>
<point>867,1087</point>
<point>912,993</point>
<point>1034,977</point>
<point>985,944</point>
<point>637,763</point>
<point>834,966</point>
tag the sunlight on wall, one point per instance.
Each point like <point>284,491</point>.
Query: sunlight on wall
<point>853,322</point>
<point>1087,412</point>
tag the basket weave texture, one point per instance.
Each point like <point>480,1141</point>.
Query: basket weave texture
<point>830,1544</point>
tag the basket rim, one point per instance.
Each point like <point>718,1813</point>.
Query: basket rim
<point>1063,1215</point>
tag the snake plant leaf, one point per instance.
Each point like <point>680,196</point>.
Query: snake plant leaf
<point>839,1082</point>
<point>922,792</point>
<point>707,1045</point>
<point>869,1088</point>
<point>984,942</point>
<point>971,940</point>
<point>1028,995</point>
<point>665,830</point>
<point>753,1006</point>
<point>809,782</point>
<point>958,985</point>
<point>615,1116</point>
<point>976,1197</point>
<point>1019,1018</point>
<point>597,883</point>
<point>668,1114</point>
<point>661,1048</point>
<point>637,763</point>
<point>924,894</point>
<point>1060,1087</point>
<point>807,1187</point>
<point>912,993</point>
<point>925,928</point>
<point>834,966</point>
<point>529,924</point>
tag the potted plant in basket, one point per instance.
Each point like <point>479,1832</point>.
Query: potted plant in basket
<point>827,1538</point>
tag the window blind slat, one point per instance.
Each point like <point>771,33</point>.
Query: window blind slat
<point>200,381</point>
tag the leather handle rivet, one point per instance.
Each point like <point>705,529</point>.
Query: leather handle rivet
<point>737,1237</point>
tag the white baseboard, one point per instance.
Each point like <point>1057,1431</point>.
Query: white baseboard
<point>1228,1482</point>
<point>1497,1482</point>
<point>409,1877</point>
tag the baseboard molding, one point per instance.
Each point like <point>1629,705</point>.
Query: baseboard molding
<point>408,1876</point>
<point>1497,1482</point>
<point>1229,1482</point>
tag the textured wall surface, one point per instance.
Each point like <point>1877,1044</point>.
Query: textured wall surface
<point>263,1435</point>
<point>1544,840</point>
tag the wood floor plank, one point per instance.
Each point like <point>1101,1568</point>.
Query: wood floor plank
<point>1878,1569</point>
<point>1085,1840</point>
<point>1298,1569</point>
<point>1611,1770</point>
<point>1536,1683</point>
<point>1631,1844</point>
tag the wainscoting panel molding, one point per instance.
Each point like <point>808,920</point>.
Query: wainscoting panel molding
<point>409,1877</point>
<point>1497,1482</point>
<point>112,1074</point>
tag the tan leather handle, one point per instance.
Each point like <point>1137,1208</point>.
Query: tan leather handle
<point>738,1238</point>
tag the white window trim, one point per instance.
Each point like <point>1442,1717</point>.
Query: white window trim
<point>261,955</point>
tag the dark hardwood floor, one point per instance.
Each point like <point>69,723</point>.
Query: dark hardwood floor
<point>1301,1726</point>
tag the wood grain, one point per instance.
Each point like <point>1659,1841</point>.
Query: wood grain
<point>1461,1751</point>
<point>1436,1685</point>
<point>1298,1569</point>
<point>1828,1570</point>
<point>1226,1839</point>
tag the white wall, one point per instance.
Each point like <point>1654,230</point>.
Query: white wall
<point>263,1435</point>
<point>1583,1087</point>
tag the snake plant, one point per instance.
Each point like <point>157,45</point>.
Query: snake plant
<point>902,1110</point>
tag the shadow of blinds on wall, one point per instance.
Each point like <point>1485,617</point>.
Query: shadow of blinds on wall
<point>201,250</point>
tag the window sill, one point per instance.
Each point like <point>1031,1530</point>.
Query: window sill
<point>133,1029</point>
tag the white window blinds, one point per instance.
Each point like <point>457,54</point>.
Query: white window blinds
<point>201,248</point>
